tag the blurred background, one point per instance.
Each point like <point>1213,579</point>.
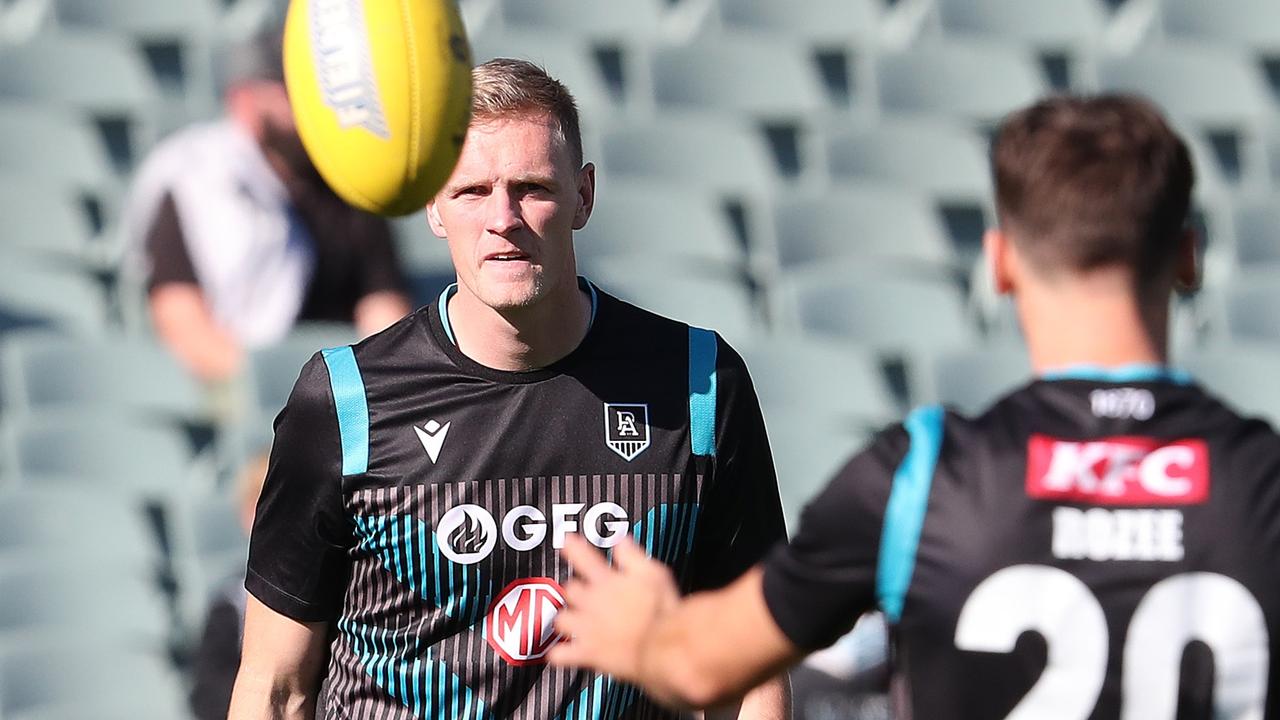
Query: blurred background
<point>809,178</point>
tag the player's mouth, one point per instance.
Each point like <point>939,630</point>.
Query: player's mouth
<point>504,257</point>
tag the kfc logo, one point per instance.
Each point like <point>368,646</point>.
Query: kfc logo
<point>1118,471</point>
<point>519,625</point>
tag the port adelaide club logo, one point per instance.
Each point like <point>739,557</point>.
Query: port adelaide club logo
<point>626,428</point>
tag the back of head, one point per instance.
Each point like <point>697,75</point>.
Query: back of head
<point>1090,183</point>
<point>504,88</point>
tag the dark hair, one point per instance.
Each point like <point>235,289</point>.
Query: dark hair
<point>504,88</point>
<point>1089,182</point>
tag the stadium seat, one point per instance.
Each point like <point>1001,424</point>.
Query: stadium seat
<point>1250,24</point>
<point>975,81</point>
<point>76,523</point>
<point>1242,374</point>
<point>823,23</point>
<point>568,58</point>
<point>109,602</point>
<point>750,76</point>
<point>273,370</point>
<point>704,153</point>
<point>709,301</point>
<point>858,222</point>
<point>1257,233</point>
<point>1217,90</point>
<point>808,448</point>
<point>45,143</point>
<point>587,19</point>
<point>100,449</point>
<point>40,295</point>
<point>45,371</point>
<point>968,380</point>
<point>942,158</point>
<point>863,304</point>
<point>793,374</point>
<point>209,547</point>
<point>95,73</point>
<point>175,37</point>
<point>1061,25</point>
<point>113,680</point>
<point>1242,308</point>
<point>660,220</point>
<point>417,248</point>
<point>44,217</point>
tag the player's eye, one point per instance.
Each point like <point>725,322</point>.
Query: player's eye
<point>471,190</point>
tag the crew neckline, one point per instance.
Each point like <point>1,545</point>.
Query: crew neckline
<point>441,329</point>
<point>1130,373</point>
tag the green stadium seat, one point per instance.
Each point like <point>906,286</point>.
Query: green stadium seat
<point>47,144</point>
<point>96,73</point>
<point>566,57</point>
<point>634,219</point>
<point>273,370</point>
<point>808,449</point>
<point>108,602</point>
<point>1061,25</point>
<point>822,23</point>
<point>107,679</point>
<point>863,304</point>
<point>968,380</point>
<point>719,155</point>
<point>42,295</point>
<point>975,81</point>
<point>942,158</point>
<point>860,222</point>
<point>1257,232</point>
<point>842,381</point>
<point>1250,24</point>
<point>44,217</point>
<point>587,19</point>
<point>101,449</point>
<point>417,248</point>
<point>41,372</point>
<point>1242,374</point>
<point>77,523</point>
<point>715,302</point>
<point>752,76</point>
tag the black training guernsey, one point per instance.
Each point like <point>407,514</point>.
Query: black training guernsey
<point>1099,544</point>
<point>417,499</point>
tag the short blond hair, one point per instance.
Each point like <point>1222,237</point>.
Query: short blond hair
<point>505,87</point>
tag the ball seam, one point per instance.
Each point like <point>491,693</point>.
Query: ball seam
<point>415,118</point>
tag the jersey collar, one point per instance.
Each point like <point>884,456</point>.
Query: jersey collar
<point>453,288</point>
<point>1132,373</point>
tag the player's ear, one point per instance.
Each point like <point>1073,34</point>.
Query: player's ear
<point>433,219</point>
<point>1187,273</point>
<point>997,248</point>
<point>586,196</point>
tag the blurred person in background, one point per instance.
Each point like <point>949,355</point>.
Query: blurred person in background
<point>1101,542</point>
<point>421,481</point>
<point>237,236</point>
<point>217,658</point>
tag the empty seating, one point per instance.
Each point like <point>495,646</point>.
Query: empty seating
<point>969,380</point>
<point>1252,24</point>
<point>720,155</point>
<point>110,602</point>
<point>76,522</point>
<point>939,157</point>
<point>44,217</point>
<point>41,295</point>
<point>823,23</point>
<point>1242,374</point>
<point>975,81</point>
<point>567,58</point>
<point>46,143</point>
<point>103,681</point>
<point>273,370</point>
<point>587,19</point>
<point>808,449</point>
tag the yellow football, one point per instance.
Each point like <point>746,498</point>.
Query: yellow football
<point>381,92</point>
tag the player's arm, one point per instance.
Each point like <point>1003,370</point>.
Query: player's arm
<point>280,666</point>
<point>384,299</point>
<point>704,650</point>
<point>379,309</point>
<point>181,316</point>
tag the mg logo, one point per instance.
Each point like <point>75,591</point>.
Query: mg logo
<point>519,624</point>
<point>626,428</point>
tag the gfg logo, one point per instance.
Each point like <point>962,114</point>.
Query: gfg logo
<point>519,624</point>
<point>467,534</point>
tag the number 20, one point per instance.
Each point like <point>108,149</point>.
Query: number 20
<point>1208,607</point>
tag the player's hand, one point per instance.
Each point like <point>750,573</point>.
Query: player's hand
<point>610,611</point>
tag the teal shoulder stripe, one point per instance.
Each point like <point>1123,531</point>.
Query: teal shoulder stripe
<point>904,514</point>
<point>353,408</point>
<point>702,391</point>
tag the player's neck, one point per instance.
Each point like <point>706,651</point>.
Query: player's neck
<point>1091,324</point>
<point>521,339</point>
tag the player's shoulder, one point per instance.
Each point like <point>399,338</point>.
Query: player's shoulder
<point>658,333</point>
<point>393,349</point>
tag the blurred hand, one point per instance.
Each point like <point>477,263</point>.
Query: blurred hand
<point>611,611</point>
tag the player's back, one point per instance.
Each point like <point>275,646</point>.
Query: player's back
<point>1096,545</point>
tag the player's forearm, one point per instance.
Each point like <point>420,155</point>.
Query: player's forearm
<point>185,324</point>
<point>266,696</point>
<point>769,701</point>
<point>695,655</point>
<point>378,310</point>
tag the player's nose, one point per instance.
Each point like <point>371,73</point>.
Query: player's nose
<point>502,213</point>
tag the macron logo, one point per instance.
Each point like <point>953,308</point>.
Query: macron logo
<point>432,437</point>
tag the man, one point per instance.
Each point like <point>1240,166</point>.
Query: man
<point>422,481</point>
<point>236,236</point>
<point>1100,543</point>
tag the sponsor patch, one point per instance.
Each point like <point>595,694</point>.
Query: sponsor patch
<point>519,624</point>
<point>1118,470</point>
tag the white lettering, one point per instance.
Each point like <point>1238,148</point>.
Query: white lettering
<point>1127,402</point>
<point>561,524</point>
<point>1154,473</point>
<point>535,531</point>
<point>1100,534</point>
<point>614,529</point>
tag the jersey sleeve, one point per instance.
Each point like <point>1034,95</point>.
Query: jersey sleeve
<point>741,516</point>
<point>298,551</point>
<point>817,586</point>
<point>166,249</point>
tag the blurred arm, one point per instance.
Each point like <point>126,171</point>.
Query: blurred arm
<point>768,701</point>
<point>280,666</point>
<point>379,309</point>
<point>184,323</point>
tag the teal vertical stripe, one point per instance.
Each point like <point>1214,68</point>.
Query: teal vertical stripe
<point>905,511</point>
<point>352,406</point>
<point>702,391</point>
